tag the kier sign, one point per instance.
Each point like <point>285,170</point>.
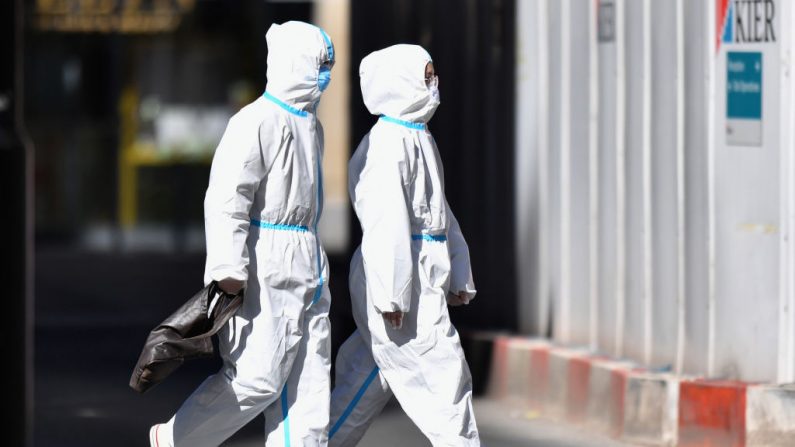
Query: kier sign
<point>745,21</point>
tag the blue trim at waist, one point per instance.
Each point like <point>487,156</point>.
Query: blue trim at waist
<point>429,237</point>
<point>409,124</point>
<point>283,227</point>
<point>284,105</point>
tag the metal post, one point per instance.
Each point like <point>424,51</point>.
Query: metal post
<point>786,344</point>
<point>16,240</point>
<point>709,81</point>
<point>593,174</point>
<point>543,163</point>
<point>621,179</point>
<point>680,187</point>
<point>564,331</point>
<point>648,289</point>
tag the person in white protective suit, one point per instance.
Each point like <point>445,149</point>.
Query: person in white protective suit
<point>261,210</point>
<point>412,262</point>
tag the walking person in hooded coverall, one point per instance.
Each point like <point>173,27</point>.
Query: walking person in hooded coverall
<point>262,208</point>
<point>413,261</point>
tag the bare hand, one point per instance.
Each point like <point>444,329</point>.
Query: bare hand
<point>395,319</point>
<point>231,286</point>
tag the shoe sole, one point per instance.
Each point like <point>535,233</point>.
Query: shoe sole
<point>153,436</point>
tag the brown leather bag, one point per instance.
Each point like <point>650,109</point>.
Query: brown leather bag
<point>186,334</point>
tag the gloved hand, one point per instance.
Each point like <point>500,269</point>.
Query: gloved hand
<point>231,286</point>
<point>395,319</point>
<point>458,299</point>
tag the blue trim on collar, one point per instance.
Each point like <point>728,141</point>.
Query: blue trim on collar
<point>284,105</point>
<point>409,124</point>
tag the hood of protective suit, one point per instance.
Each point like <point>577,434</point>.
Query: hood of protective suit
<point>393,83</point>
<point>296,50</point>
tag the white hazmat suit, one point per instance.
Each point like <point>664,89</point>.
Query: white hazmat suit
<point>262,207</point>
<point>411,256</point>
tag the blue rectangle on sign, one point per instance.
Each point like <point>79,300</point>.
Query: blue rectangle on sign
<point>744,85</point>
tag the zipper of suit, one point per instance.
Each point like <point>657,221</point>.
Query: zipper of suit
<point>319,189</point>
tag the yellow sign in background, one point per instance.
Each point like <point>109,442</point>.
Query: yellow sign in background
<point>110,16</point>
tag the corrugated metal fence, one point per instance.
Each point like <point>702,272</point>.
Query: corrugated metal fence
<point>655,181</point>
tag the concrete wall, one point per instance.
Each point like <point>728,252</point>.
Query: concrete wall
<point>649,232</point>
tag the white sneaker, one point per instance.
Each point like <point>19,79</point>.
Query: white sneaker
<point>153,432</point>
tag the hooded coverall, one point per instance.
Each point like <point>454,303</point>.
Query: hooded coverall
<point>411,256</point>
<point>262,208</point>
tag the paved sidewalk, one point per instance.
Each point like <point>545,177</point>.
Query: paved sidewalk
<point>499,427</point>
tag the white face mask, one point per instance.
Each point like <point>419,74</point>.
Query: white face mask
<point>433,87</point>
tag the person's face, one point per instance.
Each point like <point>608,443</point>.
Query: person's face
<point>430,74</point>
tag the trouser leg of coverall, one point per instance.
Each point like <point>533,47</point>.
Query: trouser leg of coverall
<point>425,369</point>
<point>434,388</point>
<point>422,362</point>
<point>258,351</point>
<point>300,416</point>
<point>360,393</point>
<point>435,402</point>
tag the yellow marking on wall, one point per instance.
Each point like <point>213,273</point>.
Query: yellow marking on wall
<point>759,228</point>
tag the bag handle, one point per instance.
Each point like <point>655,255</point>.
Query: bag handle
<point>220,315</point>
